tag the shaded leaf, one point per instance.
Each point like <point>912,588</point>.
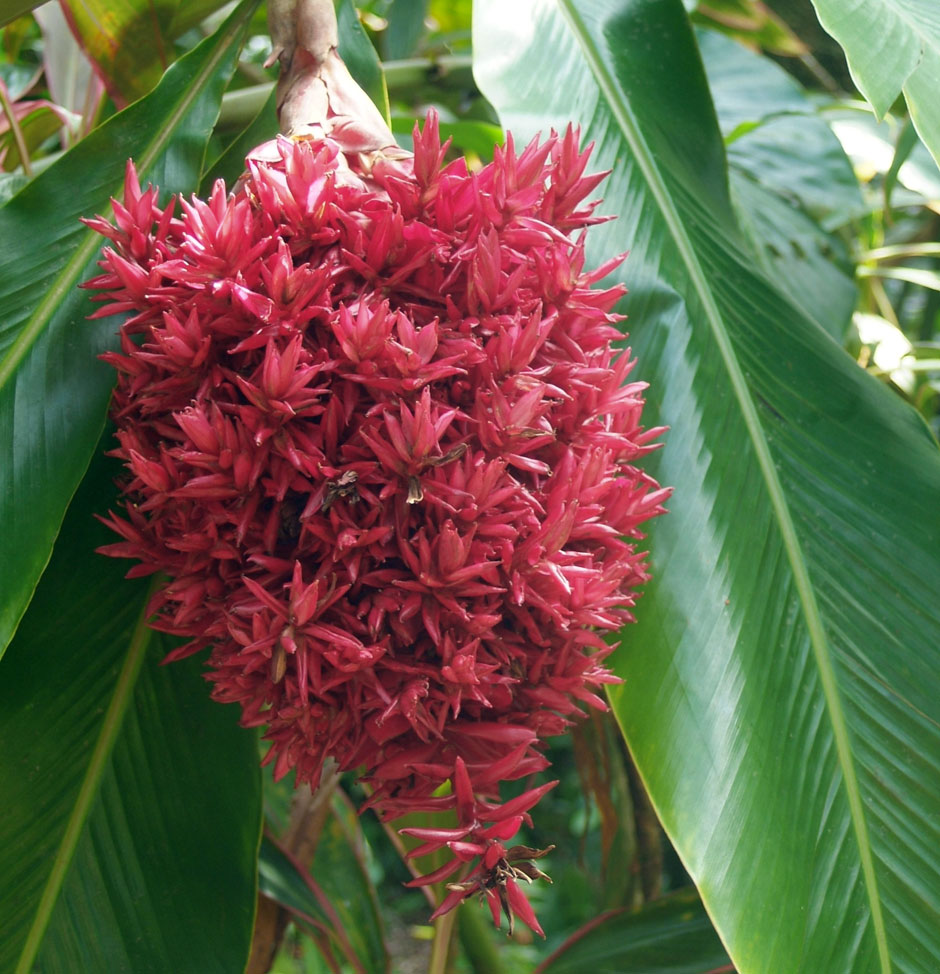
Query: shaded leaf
<point>782,698</point>
<point>357,51</point>
<point>11,9</point>
<point>130,799</point>
<point>53,391</point>
<point>282,879</point>
<point>753,23</point>
<point>670,936</point>
<point>339,867</point>
<point>38,120</point>
<point>231,163</point>
<point>405,27</point>
<point>790,179</point>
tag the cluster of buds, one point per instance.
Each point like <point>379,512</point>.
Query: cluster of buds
<point>380,443</point>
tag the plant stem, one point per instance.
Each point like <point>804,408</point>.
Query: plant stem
<point>476,940</point>
<point>241,106</point>
<point>440,948</point>
<point>7,106</point>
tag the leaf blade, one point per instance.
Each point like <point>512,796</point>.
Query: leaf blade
<point>797,480</point>
<point>53,391</point>
<point>128,794</point>
<point>892,46</point>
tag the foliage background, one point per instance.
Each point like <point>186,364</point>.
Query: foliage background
<point>781,710</point>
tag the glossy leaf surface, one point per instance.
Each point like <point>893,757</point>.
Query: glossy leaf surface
<point>670,936</point>
<point>53,391</point>
<point>781,694</point>
<point>131,801</point>
<point>892,46</point>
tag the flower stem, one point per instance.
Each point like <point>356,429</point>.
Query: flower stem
<point>477,942</point>
<point>440,948</point>
<point>7,106</point>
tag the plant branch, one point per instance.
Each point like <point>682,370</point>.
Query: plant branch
<point>440,948</point>
<point>7,106</point>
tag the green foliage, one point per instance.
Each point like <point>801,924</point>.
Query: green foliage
<point>130,799</point>
<point>792,619</point>
<point>892,46</point>
<point>53,391</point>
<point>781,697</point>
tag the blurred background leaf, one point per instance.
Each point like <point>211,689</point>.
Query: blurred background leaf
<point>892,46</point>
<point>671,936</point>
<point>131,41</point>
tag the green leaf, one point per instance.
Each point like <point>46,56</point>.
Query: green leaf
<point>774,134</point>
<point>781,695</point>
<point>130,41</point>
<point>357,51</point>
<point>337,896</point>
<point>405,27</point>
<point>231,163</point>
<point>789,179</point>
<point>892,46</point>
<point>11,9</point>
<point>282,879</point>
<point>53,391</point>
<point>339,867</point>
<point>468,134</point>
<point>670,936</point>
<point>40,124</point>
<point>130,799</point>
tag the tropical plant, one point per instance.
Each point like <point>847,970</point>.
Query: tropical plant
<point>764,793</point>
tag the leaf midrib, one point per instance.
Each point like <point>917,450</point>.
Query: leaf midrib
<point>91,780</point>
<point>795,556</point>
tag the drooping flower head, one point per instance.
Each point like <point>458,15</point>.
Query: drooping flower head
<point>377,436</point>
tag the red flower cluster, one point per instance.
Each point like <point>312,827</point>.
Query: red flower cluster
<point>378,438</point>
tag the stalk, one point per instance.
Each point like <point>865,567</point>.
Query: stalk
<point>440,948</point>
<point>7,106</point>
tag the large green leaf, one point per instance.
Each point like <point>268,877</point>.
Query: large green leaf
<point>131,801</point>
<point>53,391</point>
<point>671,936</point>
<point>782,694</point>
<point>892,46</point>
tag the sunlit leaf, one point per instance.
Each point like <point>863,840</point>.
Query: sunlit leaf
<point>892,46</point>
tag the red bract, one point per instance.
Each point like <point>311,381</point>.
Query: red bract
<point>378,438</point>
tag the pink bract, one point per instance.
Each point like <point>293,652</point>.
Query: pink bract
<point>377,436</point>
